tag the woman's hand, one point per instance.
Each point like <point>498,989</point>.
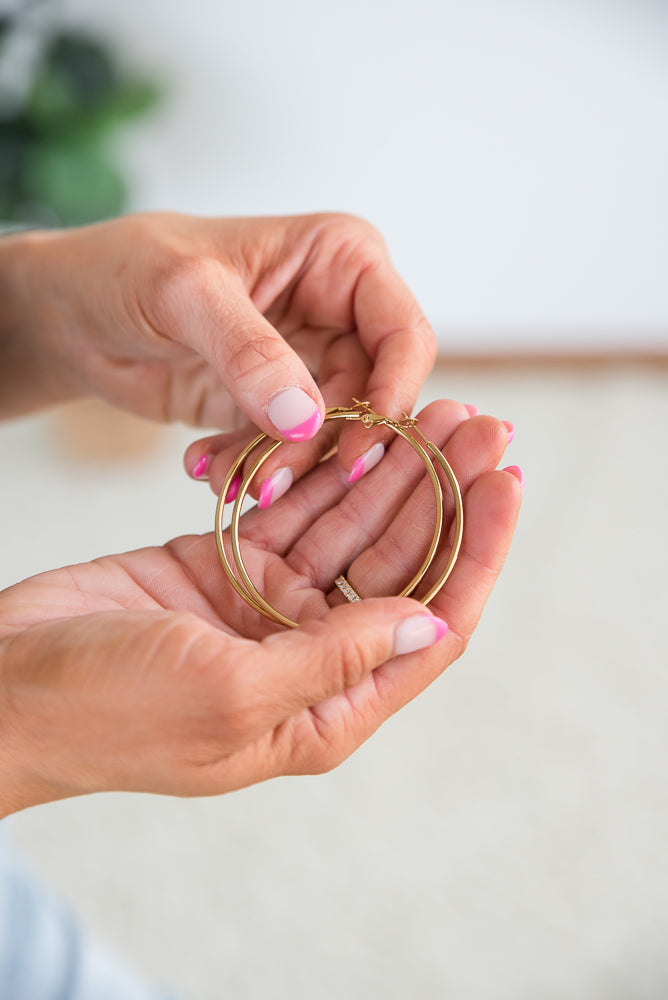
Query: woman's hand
<point>219,323</point>
<point>146,672</point>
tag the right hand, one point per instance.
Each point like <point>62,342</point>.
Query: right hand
<point>222,323</point>
<point>146,672</point>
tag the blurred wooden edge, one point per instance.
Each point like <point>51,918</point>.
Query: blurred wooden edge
<point>564,360</point>
<point>92,431</point>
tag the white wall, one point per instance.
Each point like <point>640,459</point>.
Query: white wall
<point>514,153</point>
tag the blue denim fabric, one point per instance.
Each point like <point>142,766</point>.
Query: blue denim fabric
<point>44,954</point>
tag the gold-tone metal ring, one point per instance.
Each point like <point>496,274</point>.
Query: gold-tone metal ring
<point>361,411</point>
<point>348,592</point>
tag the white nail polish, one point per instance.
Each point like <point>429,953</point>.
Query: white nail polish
<point>418,632</point>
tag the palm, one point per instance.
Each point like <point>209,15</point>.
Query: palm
<point>287,549</point>
<point>154,646</point>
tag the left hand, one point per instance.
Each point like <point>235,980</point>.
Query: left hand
<point>210,321</point>
<point>145,672</point>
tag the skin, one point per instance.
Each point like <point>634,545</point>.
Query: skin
<point>205,320</point>
<point>144,671</point>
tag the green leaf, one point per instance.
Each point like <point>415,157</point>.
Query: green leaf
<point>52,101</point>
<point>53,112</point>
<point>75,183</point>
<point>86,64</point>
<point>78,89</point>
<point>12,154</point>
<point>6,25</point>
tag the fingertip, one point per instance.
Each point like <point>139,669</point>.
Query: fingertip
<point>233,489</point>
<point>515,471</point>
<point>295,414</point>
<point>418,632</point>
<point>510,428</point>
<point>360,449</point>
<point>367,461</point>
<point>200,470</point>
<point>274,487</point>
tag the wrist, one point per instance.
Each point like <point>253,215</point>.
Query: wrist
<point>25,774</point>
<point>33,371</point>
<point>14,786</point>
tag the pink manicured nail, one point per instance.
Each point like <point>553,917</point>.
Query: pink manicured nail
<point>202,467</point>
<point>274,487</point>
<point>366,462</point>
<point>232,492</point>
<point>418,632</point>
<point>473,410</point>
<point>511,430</point>
<point>515,471</point>
<point>294,414</point>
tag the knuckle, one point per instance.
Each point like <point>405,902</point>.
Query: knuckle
<point>250,353</point>
<point>427,338</point>
<point>354,228</point>
<point>313,748</point>
<point>327,761</point>
<point>192,272</point>
<point>184,277</point>
<point>186,642</point>
<point>353,656</point>
<point>332,757</point>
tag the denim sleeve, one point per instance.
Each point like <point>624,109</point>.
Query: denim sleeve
<point>45,954</point>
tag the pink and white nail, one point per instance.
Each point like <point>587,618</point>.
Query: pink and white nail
<point>202,467</point>
<point>294,415</point>
<point>366,462</point>
<point>515,471</point>
<point>233,489</point>
<point>274,487</point>
<point>418,632</point>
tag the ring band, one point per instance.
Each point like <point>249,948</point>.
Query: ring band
<point>426,450</point>
<point>348,592</point>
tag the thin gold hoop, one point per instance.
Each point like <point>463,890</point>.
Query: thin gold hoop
<point>407,428</point>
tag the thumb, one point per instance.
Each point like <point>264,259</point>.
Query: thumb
<point>325,657</point>
<point>212,312</point>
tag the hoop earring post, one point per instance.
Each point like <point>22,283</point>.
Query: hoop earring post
<point>426,451</point>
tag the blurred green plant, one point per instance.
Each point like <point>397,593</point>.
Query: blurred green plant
<point>55,158</point>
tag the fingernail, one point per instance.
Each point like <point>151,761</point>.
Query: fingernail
<point>511,430</point>
<point>515,471</point>
<point>233,490</point>
<point>418,632</point>
<point>202,467</point>
<point>366,462</point>
<point>473,410</point>
<point>294,414</point>
<point>274,487</point>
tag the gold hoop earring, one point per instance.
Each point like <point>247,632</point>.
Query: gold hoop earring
<point>407,428</point>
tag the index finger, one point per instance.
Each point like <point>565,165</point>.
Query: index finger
<point>402,347</point>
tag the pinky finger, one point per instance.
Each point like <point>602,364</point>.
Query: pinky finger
<point>200,456</point>
<point>212,458</point>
